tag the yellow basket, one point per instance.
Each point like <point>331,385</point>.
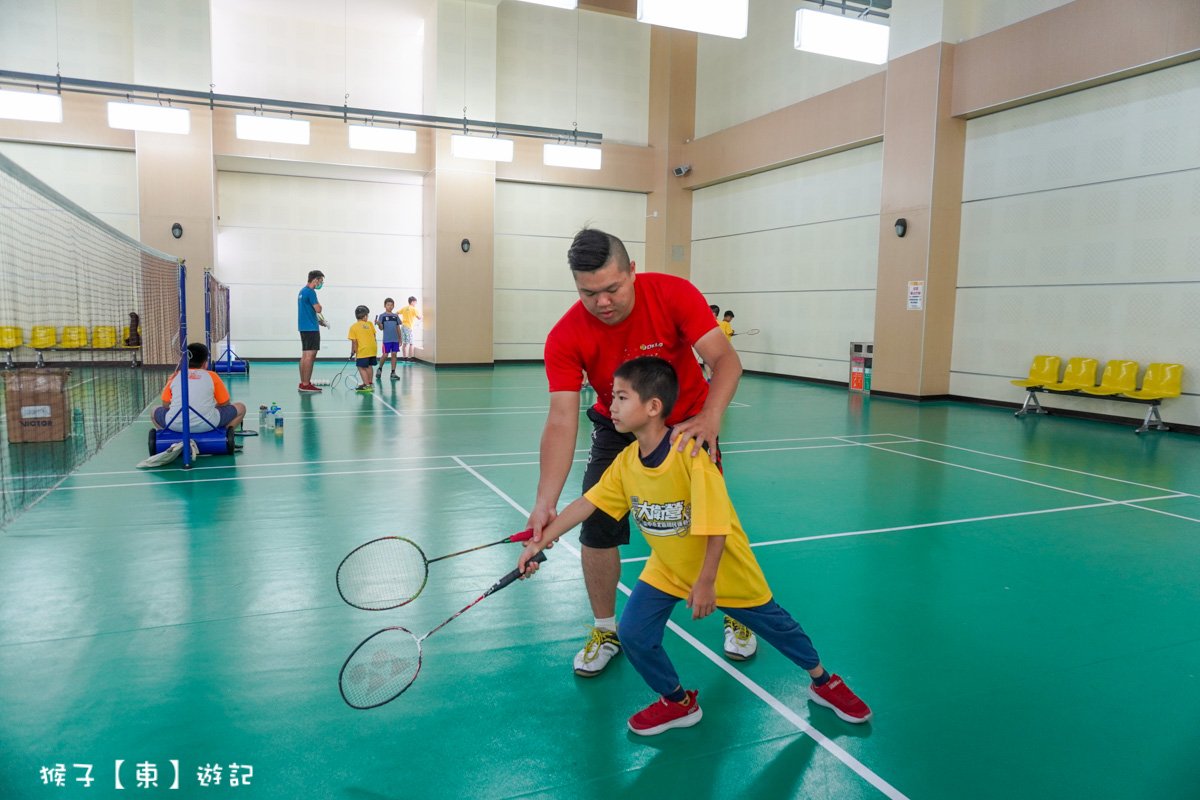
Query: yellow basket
<point>74,336</point>
<point>43,336</point>
<point>10,338</point>
<point>104,336</point>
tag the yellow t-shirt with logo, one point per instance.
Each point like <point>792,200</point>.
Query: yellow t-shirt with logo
<point>364,333</point>
<point>407,315</point>
<point>676,505</point>
<point>726,329</point>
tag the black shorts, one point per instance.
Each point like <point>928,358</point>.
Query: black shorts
<point>369,361</point>
<point>310,340</point>
<point>600,531</point>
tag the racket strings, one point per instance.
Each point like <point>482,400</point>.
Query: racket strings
<point>382,574</point>
<point>381,669</point>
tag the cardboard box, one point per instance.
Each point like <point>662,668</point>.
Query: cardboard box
<point>35,402</point>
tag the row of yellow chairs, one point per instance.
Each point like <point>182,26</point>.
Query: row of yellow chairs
<point>1119,381</point>
<point>73,337</point>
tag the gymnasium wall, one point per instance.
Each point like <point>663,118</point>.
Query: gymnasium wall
<point>272,229</point>
<point>534,227</point>
<point>537,82</point>
<point>794,252</point>
<point>1079,237</point>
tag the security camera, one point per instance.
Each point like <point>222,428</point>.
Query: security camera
<point>683,170</point>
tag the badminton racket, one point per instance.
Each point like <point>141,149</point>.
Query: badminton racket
<point>750,332</point>
<point>386,663</point>
<point>391,572</point>
<point>336,378</point>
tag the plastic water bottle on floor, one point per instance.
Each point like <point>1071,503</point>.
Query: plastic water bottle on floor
<point>262,417</point>
<point>278,421</point>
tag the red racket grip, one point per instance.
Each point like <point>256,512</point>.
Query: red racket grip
<point>523,536</point>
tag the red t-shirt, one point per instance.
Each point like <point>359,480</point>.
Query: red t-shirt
<point>669,316</point>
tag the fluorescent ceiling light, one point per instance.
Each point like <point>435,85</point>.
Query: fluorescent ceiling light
<point>719,17</point>
<point>481,147</point>
<point>390,140</point>
<point>555,3</point>
<point>30,106</point>
<point>157,119</point>
<point>272,129</point>
<point>567,155</point>
<point>841,37</point>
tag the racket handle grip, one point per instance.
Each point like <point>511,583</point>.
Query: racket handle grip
<point>523,536</point>
<point>512,576</point>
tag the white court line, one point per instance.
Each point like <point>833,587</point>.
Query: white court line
<point>1048,466</point>
<point>791,716</point>
<point>920,525</point>
<point>1128,503</point>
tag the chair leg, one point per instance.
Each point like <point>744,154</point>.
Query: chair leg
<point>1152,414</point>
<point>8,363</point>
<point>40,361</point>
<point>1031,404</point>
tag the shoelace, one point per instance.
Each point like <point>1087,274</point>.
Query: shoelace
<point>592,649</point>
<point>740,632</point>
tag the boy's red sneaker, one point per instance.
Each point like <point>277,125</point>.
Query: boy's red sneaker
<point>308,387</point>
<point>836,694</point>
<point>664,715</point>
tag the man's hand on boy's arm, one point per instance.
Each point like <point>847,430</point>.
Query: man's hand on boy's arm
<point>702,599</point>
<point>571,516</point>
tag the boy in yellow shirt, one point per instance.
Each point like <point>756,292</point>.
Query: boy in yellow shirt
<point>726,325</point>
<point>699,553</point>
<point>408,317</point>
<point>363,348</point>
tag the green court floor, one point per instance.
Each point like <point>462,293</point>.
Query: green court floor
<point>1016,599</point>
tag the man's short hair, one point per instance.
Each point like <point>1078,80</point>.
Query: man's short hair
<point>728,315</point>
<point>361,312</point>
<point>651,377</point>
<point>387,300</point>
<point>592,249</point>
<point>316,273</point>
<point>412,299</point>
<point>197,355</point>
<point>715,309</point>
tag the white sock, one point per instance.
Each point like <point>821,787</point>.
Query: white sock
<point>607,624</point>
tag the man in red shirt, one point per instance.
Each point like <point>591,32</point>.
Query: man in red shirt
<point>622,315</point>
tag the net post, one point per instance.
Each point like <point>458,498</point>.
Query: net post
<point>208,311</point>
<point>186,412</point>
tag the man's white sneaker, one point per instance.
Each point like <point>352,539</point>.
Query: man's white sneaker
<point>740,642</point>
<point>601,647</point>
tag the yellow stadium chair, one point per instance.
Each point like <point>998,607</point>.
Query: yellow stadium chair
<point>103,337</point>
<point>1080,374</point>
<point>1042,371</point>
<point>1161,381</point>
<point>10,338</point>
<point>1119,377</point>
<point>43,336</point>
<point>74,337</point>
<point>125,338</point>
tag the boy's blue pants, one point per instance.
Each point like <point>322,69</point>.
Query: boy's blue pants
<point>645,618</point>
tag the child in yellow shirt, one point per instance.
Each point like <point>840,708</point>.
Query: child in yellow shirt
<point>363,348</point>
<point>726,325</point>
<point>699,553</point>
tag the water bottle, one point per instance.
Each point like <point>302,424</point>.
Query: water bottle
<point>279,422</point>
<point>262,417</point>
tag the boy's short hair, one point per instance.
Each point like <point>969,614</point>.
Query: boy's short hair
<point>412,299</point>
<point>651,377</point>
<point>316,273</point>
<point>592,248</point>
<point>715,309</point>
<point>361,312</point>
<point>728,315</point>
<point>387,300</point>
<point>197,355</point>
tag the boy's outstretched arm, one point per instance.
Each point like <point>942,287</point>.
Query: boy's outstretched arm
<point>571,516</point>
<point>702,600</point>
